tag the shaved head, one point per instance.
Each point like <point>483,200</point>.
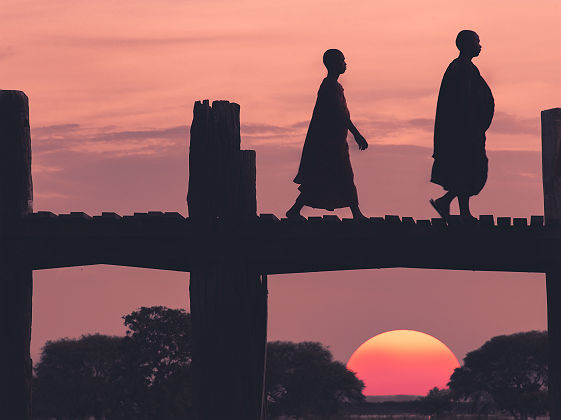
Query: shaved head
<point>332,58</point>
<point>466,39</point>
<point>468,43</point>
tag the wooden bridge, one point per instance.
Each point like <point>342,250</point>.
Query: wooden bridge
<point>229,251</point>
<point>168,241</point>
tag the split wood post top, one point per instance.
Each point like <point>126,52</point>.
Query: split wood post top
<point>16,284</point>
<point>551,168</point>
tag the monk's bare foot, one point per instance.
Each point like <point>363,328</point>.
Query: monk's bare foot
<point>441,206</point>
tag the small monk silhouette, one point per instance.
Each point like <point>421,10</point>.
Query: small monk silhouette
<point>325,175</point>
<point>463,114</point>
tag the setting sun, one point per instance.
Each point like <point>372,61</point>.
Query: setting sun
<point>403,362</point>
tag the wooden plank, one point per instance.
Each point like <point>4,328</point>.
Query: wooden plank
<point>77,216</point>
<point>520,222</point>
<point>503,222</point>
<point>424,223</point>
<point>106,215</point>
<point>408,221</point>
<point>44,215</point>
<point>455,220</point>
<point>438,223</point>
<point>551,171</point>
<point>173,215</point>
<point>392,219</point>
<point>155,214</point>
<point>268,218</point>
<point>536,221</point>
<point>16,281</point>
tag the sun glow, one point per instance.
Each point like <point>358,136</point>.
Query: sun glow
<point>403,362</point>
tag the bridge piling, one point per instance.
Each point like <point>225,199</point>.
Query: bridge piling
<point>228,300</point>
<point>551,168</point>
<point>16,282</point>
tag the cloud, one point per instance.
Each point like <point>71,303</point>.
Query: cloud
<point>261,129</point>
<point>161,141</point>
<point>107,140</point>
<point>505,123</point>
<point>143,42</point>
<point>50,195</point>
<point>393,94</point>
<point>391,127</point>
<point>40,168</point>
<point>54,130</point>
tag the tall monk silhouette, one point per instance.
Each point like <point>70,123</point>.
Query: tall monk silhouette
<point>325,175</point>
<point>463,114</point>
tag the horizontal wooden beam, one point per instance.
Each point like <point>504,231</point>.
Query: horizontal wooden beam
<point>169,241</point>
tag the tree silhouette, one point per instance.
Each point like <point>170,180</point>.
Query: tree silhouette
<point>77,378</point>
<point>157,363</point>
<point>437,402</point>
<point>511,369</point>
<point>304,380</point>
<point>146,375</point>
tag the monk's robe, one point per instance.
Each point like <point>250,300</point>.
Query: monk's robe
<point>463,114</point>
<point>325,175</point>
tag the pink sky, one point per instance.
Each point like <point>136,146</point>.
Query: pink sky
<point>111,88</point>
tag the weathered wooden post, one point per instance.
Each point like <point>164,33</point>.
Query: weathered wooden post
<point>228,300</point>
<point>551,167</point>
<point>16,283</point>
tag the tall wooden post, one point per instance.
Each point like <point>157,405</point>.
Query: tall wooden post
<point>551,167</point>
<point>228,301</point>
<point>16,196</point>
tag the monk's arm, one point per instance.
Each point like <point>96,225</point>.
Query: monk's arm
<point>359,138</point>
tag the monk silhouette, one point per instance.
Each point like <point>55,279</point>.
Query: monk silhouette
<point>463,114</point>
<point>325,175</point>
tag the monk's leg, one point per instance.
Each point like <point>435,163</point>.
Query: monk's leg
<point>357,214</point>
<point>442,204</point>
<point>294,211</point>
<point>463,201</point>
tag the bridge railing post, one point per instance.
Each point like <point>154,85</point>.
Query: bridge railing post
<point>16,284</point>
<point>551,168</point>
<point>228,300</point>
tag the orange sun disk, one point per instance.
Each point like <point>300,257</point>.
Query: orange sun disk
<point>403,362</point>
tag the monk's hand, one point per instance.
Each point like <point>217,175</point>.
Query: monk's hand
<point>361,141</point>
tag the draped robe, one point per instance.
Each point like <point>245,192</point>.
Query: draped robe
<point>463,114</point>
<point>325,174</point>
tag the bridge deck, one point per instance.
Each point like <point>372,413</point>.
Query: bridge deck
<point>171,242</point>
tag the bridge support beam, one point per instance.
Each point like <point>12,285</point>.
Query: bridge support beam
<point>228,300</point>
<point>16,282</point>
<point>551,167</point>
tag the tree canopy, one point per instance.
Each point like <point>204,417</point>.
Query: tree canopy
<point>147,374</point>
<point>303,379</point>
<point>511,369</point>
<point>76,378</point>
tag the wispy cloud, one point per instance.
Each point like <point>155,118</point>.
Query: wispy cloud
<point>512,124</point>
<point>105,42</point>
<point>118,143</point>
<point>159,141</point>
